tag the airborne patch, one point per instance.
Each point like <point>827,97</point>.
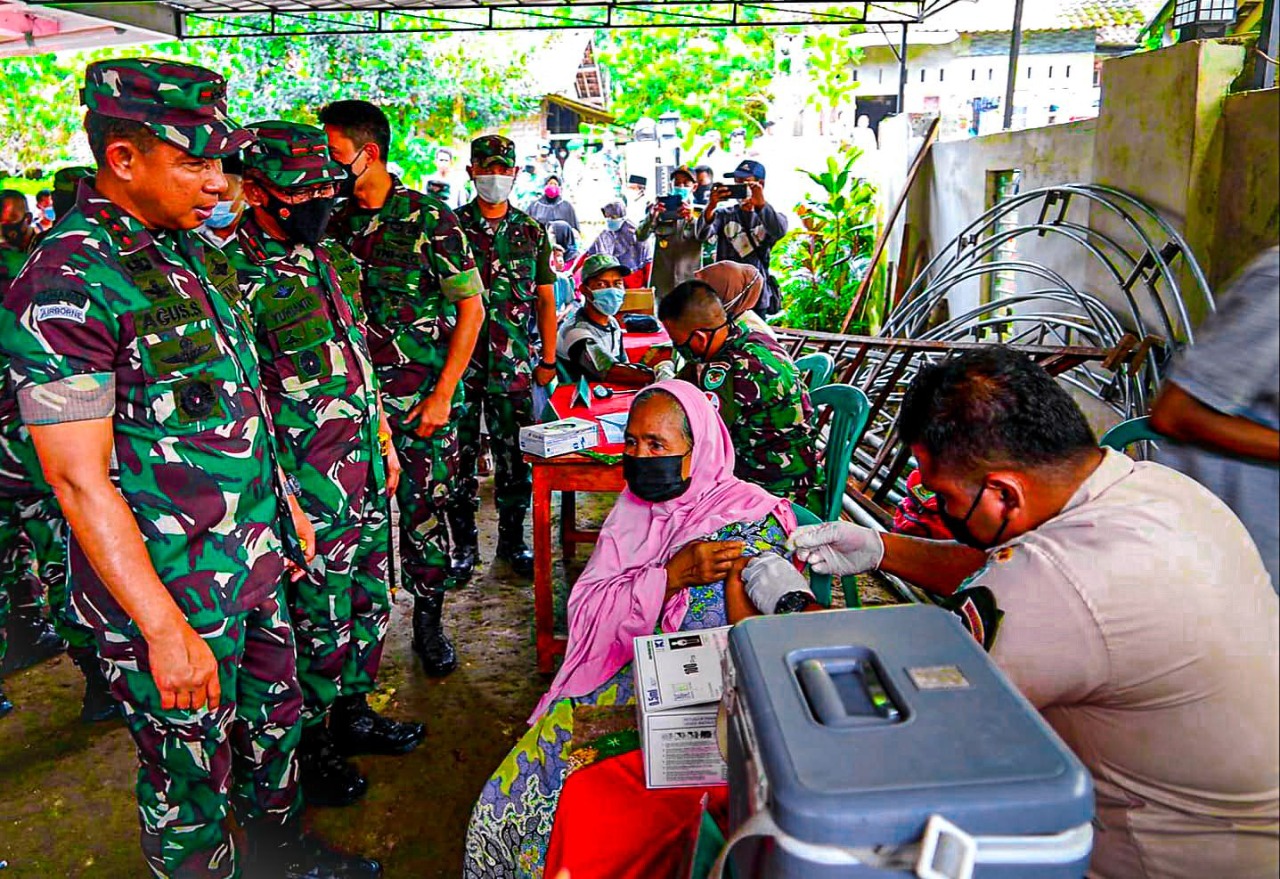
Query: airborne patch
<point>306,334</point>
<point>69,305</point>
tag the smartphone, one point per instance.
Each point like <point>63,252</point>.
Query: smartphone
<point>671,205</point>
<point>737,190</point>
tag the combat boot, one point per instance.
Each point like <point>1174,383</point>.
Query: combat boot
<point>358,729</point>
<point>288,853</point>
<point>328,779</point>
<point>466,544</point>
<point>5,705</point>
<point>511,546</point>
<point>31,640</point>
<point>98,704</point>
<point>430,642</point>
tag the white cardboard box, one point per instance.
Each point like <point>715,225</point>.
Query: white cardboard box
<point>679,680</point>
<point>680,669</point>
<point>559,437</point>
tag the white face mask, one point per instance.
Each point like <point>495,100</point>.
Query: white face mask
<point>494,188</point>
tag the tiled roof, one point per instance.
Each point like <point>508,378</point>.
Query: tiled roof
<point>1116,21</point>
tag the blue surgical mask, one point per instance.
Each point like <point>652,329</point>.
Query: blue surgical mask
<point>614,224</point>
<point>223,215</point>
<point>49,214</point>
<point>683,191</point>
<point>608,300</point>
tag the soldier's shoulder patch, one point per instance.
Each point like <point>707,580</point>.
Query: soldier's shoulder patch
<point>714,376</point>
<point>713,399</point>
<point>72,305</point>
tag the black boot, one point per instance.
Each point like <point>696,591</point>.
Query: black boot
<point>429,640</point>
<point>31,640</point>
<point>358,729</point>
<point>327,778</point>
<point>466,543</point>
<point>5,705</point>
<point>288,853</point>
<point>98,704</point>
<point>511,546</point>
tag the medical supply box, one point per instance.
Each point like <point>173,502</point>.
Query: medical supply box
<point>559,437</point>
<point>678,681</point>
<point>885,743</point>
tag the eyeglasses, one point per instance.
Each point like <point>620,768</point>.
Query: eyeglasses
<point>300,194</point>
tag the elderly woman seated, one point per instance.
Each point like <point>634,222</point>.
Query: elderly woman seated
<point>687,546</point>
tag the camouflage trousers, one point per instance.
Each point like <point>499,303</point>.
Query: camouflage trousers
<point>504,414</point>
<point>342,608</point>
<point>32,529</point>
<point>429,466</point>
<point>193,764</point>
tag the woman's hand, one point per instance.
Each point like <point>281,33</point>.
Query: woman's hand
<point>702,562</point>
<point>737,603</point>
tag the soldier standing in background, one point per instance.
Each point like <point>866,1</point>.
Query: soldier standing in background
<point>514,255</point>
<point>421,294</point>
<point>323,396</point>
<point>139,386</point>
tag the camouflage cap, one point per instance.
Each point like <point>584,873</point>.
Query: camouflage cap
<point>67,178</point>
<point>181,104</point>
<point>493,148</point>
<point>290,154</point>
<point>598,263</point>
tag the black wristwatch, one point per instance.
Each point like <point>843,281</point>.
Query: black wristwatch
<point>542,364</point>
<point>793,602</point>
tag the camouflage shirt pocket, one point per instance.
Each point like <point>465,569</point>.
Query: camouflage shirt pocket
<point>306,355</point>
<point>188,375</point>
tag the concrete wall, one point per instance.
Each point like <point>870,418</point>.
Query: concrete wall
<point>1169,134</point>
<point>954,189</point>
<point>1248,216</point>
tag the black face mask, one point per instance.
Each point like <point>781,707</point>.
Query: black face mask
<point>302,223</point>
<point>655,479</point>
<point>686,351</point>
<point>15,234</point>
<point>346,187</point>
<point>959,528</point>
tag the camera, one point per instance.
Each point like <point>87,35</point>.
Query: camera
<point>736,190</point>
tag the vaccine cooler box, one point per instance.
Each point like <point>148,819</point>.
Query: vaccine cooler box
<point>886,743</point>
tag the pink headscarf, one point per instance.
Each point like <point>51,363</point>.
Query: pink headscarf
<point>620,593</point>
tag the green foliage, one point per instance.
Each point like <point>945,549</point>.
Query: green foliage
<point>433,88</point>
<point>820,265</point>
<point>831,66</point>
<point>715,78</point>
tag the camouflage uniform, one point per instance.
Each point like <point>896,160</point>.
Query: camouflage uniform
<point>514,260</point>
<point>763,401</point>
<point>31,524</point>
<point>415,265</point>
<point>113,320</point>
<point>320,386</point>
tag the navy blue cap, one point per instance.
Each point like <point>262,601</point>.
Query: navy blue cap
<point>747,168</point>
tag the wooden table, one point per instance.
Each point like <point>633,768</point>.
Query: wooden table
<point>567,474</point>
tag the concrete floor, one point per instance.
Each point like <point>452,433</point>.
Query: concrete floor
<point>66,790</point>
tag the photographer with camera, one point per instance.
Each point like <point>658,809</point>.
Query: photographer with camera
<point>746,231</point>
<point>672,221</point>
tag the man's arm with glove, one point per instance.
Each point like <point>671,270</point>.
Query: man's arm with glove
<point>845,548</point>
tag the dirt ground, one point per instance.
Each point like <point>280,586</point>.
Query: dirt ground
<point>66,790</point>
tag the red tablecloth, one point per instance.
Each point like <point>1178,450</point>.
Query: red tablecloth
<point>610,826</point>
<point>562,401</point>
<point>638,344</point>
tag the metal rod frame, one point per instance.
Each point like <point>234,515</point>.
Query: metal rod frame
<point>212,19</point>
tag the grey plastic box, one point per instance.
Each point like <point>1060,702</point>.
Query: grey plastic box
<point>850,730</point>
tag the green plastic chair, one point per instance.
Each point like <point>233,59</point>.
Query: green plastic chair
<point>1126,433</point>
<point>849,411</point>
<point>816,369</point>
<point>819,583</point>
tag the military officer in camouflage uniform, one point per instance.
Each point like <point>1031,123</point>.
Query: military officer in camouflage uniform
<point>762,398</point>
<point>421,295</point>
<point>513,252</point>
<point>301,300</point>
<point>140,388</point>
